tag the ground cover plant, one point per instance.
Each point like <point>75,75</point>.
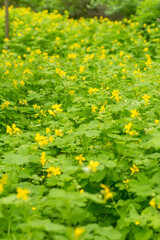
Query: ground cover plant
<point>79,128</point>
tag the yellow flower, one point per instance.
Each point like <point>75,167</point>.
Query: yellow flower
<point>48,130</point>
<point>146,97</point>
<point>9,130</point>
<point>115,95</point>
<point>106,192</point>
<point>156,121</point>
<point>71,92</point>
<point>121,54</point>
<point>1,187</point>
<point>126,181</point>
<point>102,109</point>
<point>41,140</point>
<point>73,77</point>
<point>6,104</point>
<point>131,133</point>
<point>81,191</point>
<point>43,158</point>
<point>33,208</point>
<point>72,55</point>
<point>5,39</point>
<point>78,232</point>
<point>80,159</point>
<point>15,83</point>
<point>51,113</point>
<point>145,49</point>
<point>13,130</point>
<point>4,179</point>
<point>128,127</point>
<point>51,139</point>
<point>57,108</point>
<point>81,69</point>
<point>60,72</point>
<point>22,193</point>
<point>53,171</point>
<point>92,90</point>
<point>36,106</point>
<point>93,165</point>
<point>152,203</point>
<point>94,108</point>
<point>58,133</point>
<point>134,169</point>
<point>41,111</point>
<point>137,222</point>
<point>134,113</point>
<point>25,102</point>
<point>22,83</point>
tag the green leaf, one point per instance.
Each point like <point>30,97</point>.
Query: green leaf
<point>8,200</point>
<point>142,187</point>
<point>143,234</point>
<point>47,225</point>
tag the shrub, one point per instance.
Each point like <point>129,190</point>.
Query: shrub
<point>121,9</point>
<point>148,11</point>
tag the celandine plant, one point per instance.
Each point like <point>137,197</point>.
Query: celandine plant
<point>79,127</point>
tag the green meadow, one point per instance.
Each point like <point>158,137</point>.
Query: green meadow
<point>79,128</point>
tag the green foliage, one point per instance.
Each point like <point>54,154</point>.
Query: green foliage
<point>79,128</point>
<point>148,11</point>
<point>76,8</point>
<point>122,8</point>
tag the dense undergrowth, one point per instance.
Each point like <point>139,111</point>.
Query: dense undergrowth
<point>80,129</point>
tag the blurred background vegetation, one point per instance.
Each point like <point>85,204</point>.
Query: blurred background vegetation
<point>145,11</point>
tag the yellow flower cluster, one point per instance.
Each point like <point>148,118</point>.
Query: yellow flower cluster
<point>13,130</point>
<point>23,102</point>
<point>42,140</point>
<point>72,56</point>
<point>5,104</point>
<point>60,72</point>
<point>3,181</point>
<point>71,92</point>
<point>75,46</point>
<point>58,133</point>
<point>115,95</point>
<point>152,203</point>
<point>53,171</point>
<point>106,192</point>
<point>56,108</point>
<point>92,90</point>
<point>146,98</point>
<point>88,57</point>
<point>35,106</point>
